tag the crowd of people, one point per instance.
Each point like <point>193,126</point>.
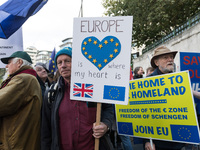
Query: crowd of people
<point>36,111</point>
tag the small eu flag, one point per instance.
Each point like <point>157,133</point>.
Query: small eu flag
<point>185,133</point>
<point>52,66</point>
<point>114,93</point>
<point>125,128</point>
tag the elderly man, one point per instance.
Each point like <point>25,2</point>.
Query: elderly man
<point>20,104</point>
<point>163,62</point>
<point>68,124</point>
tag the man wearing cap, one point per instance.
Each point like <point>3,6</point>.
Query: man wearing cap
<point>20,105</point>
<point>163,62</point>
<point>42,76</point>
<point>68,124</point>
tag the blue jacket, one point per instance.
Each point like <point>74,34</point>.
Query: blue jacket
<point>50,119</point>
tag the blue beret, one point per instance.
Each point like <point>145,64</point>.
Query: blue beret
<point>64,51</point>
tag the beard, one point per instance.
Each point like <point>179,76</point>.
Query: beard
<point>167,69</point>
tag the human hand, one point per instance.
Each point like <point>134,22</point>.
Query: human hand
<point>148,146</point>
<point>99,130</point>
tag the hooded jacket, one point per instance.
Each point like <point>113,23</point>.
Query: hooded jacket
<point>20,105</point>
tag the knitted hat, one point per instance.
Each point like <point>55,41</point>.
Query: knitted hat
<point>64,51</point>
<point>18,54</point>
<point>162,50</point>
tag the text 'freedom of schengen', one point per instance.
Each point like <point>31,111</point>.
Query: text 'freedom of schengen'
<point>157,83</point>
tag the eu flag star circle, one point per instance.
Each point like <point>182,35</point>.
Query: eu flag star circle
<point>100,53</point>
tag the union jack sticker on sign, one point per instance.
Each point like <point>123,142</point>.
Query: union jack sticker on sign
<point>83,90</point>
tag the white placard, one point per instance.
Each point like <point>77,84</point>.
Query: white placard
<point>12,44</point>
<point>101,59</point>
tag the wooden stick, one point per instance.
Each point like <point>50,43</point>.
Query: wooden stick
<point>98,119</point>
<point>151,142</point>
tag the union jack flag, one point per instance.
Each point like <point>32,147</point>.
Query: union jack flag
<point>83,90</point>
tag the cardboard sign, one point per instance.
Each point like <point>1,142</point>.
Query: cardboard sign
<point>160,107</point>
<point>101,59</point>
<point>10,45</point>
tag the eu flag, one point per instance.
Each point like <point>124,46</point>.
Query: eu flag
<point>52,67</point>
<point>125,128</point>
<point>15,12</point>
<point>186,133</point>
<point>114,93</point>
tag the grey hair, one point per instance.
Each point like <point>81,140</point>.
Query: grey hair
<point>25,62</point>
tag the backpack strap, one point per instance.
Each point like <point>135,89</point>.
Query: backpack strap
<point>52,93</point>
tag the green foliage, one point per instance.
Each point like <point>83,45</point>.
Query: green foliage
<point>152,19</point>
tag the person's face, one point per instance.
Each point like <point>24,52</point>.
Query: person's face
<point>64,66</point>
<point>141,71</point>
<point>149,72</point>
<point>41,72</point>
<point>13,67</point>
<point>165,63</point>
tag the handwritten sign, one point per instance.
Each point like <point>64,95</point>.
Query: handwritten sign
<point>160,107</point>
<point>101,59</point>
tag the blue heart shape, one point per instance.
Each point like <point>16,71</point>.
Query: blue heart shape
<point>100,53</point>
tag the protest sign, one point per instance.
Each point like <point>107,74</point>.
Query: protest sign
<point>101,59</point>
<point>10,45</point>
<point>191,61</point>
<point>160,107</point>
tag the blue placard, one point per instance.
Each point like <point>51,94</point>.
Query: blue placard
<point>191,61</point>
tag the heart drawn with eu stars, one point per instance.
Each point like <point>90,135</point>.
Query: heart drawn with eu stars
<point>100,53</point>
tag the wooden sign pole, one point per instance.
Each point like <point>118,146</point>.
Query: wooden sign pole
<point>98,119</point>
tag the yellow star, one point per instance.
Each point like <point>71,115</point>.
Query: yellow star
<point>111,40</point>
<point>49,58</point>
<point>95,42</point>
<point>85,43</point>
<point>90,56</point>
<point>83,48</point>
<point>89,40</point>
<point>105,60</point>
<point>100,46</point>
<point>85,53</point>
<point>52,61</point>
<point>111,56</point>
<point>94,61</point>
<point>99,65</point>
<point>116,44</point>
<point>115,50</point>
<point>53,66</point>
<point>105,42</point>
<point>51,70</point>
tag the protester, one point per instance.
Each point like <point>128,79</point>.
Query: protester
<point>149,71</point>
<point>138,72</point>
<point>42,76</point>
<point>20,105</point>
<point>69,124</point>
<point>163,62</point>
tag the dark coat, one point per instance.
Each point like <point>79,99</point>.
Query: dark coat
<point>42,85</point>
<point>50,119</point>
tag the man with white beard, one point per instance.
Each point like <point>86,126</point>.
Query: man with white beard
<point>163,62</point>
